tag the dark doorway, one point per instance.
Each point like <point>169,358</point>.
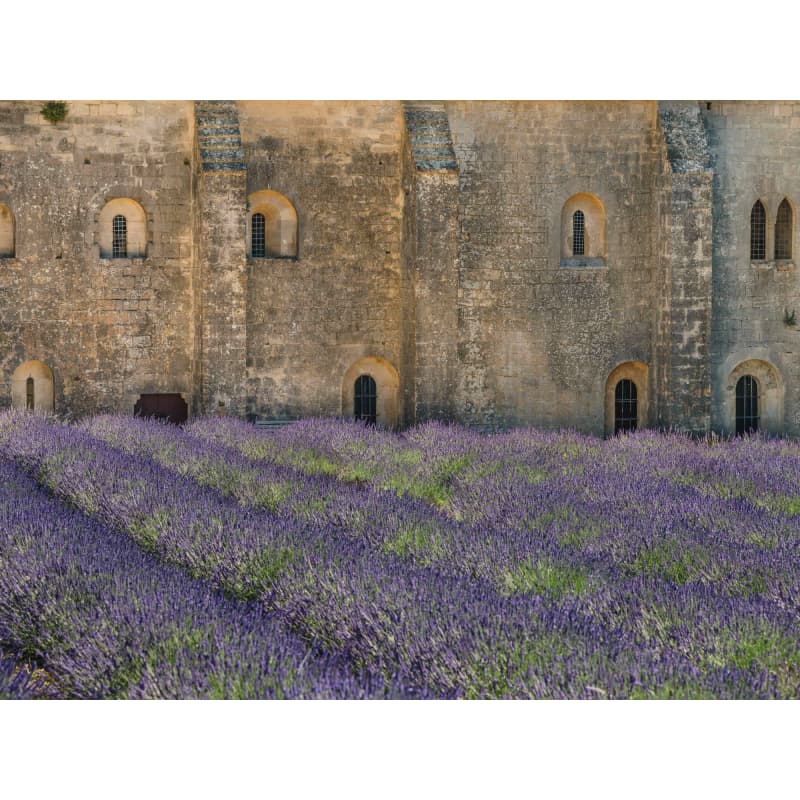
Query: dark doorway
<point>625,407</point>
<point>171,407</point>
<point>746,405</point>
<point>366,396</point>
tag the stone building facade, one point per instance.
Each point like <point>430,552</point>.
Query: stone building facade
<point>594,265</point>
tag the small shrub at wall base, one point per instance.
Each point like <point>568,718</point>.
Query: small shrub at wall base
<point>54,111</point>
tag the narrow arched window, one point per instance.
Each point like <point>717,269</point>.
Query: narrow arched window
<point>746,405</point>
<point>625,406</point>
<point>783,231</point>
<point>758,232</point>
<point>29,394</point>
<point>258,244</point>
<point>578,233</point>
<point>6,232</point>
<point>366,396</point>
<point>119,242</point>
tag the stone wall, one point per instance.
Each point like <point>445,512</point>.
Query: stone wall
<point>431,235</point>
<point>220,210</point>
<point>683,385</point>
<point>434,247</point>
<point>756,154</point>
<point>108,329</point>
<point>538,340</point>
<point>311,318</point>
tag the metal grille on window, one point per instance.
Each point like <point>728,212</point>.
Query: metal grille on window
<point>625,409</point>
<point>258,243</point>
<point>119,244</point>
<point>758,232</point>
<point>29,394</point>
<point>746,405</point>
<point>366,396</point>
<point>783,231</point>
<point>578,231</point>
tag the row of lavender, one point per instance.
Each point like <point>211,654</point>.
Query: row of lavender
<point>443,637</point>
<point>90,615</point>
<point>552,591</point>
<point>712,527</point>
<point>686,514</point>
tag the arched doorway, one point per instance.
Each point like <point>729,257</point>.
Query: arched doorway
<point>754,398</point>
<point>32,387</point>
<point>370,391</point>
<point>626,398</point>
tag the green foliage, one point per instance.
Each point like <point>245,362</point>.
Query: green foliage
<point>578,537</point>
<point>54,111</point>
<point>545,578</point>
<point>262,570</point>
<point>749,585</point>
<point>496,674</point>
<point>423,541</point>
<point>147,530</point>
<point>670,691</point>
<point>763,649</point>
<point>789,319</point>
<point>670,562</point>
<point>789,505</point>
<point>270,495</point>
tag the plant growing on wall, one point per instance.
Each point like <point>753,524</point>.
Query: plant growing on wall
<point>789,319</point>
<point>54,111</point>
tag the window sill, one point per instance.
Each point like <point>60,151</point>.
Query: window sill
<point>583,263</point>
<point>261,259</point>
<point>780,266</point>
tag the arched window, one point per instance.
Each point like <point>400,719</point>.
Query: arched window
<point>578,229</point>
<point>758,232</point>
<point>122,229</point>
<point>258,240</point>
<point>29,394</point>
<point>276,217</point>
<point>746,405</point>
<point>365,396</point>
<point>625,410</point>
<point>783,231</point>
<point>119,242</point>
<point>583,231</point>
<point>6,232</point>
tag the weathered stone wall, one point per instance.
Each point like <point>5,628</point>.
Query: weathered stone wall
<point>432,232</point>
<point>537,340</point>
<point>220,209</point>
<point>756,155</point>
<point>108,329</point>
<point>310,318</point>
<point>431,246</point>
<point>683,384</point>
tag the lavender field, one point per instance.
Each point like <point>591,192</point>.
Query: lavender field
<point>333,560</point>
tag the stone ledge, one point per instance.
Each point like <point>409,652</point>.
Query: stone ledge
<point>780,265</point>
<point>582,263</point>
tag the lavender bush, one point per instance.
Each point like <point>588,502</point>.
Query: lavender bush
<point>523,564</point>
<point>105,619</point>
